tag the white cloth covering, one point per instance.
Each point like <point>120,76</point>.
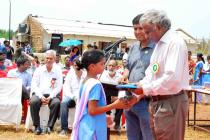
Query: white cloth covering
<point>10,101</point>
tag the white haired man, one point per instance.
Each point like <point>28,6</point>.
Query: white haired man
<point>46,85</point>
<point>166,78</point>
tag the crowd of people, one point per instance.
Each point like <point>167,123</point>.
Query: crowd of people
<point>199,71</point>
<point>157,63</point>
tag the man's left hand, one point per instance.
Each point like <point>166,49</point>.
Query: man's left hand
<point>48,100</point>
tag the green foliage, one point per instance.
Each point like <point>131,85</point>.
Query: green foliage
<point>5,33</point>
<point>203,46</point>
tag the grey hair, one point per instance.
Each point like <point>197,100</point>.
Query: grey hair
<point>156,17</point>
<point>51,52</point>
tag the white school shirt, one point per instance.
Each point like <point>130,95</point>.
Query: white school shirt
<point>171,55</point>
<point>41,81</point>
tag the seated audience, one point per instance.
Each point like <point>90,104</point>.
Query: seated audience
<point>46,87</point>
<point>70,94</point>
<point>67,63</point>
<point>112,76</point>
<point>57,61</point>
<point>7,62</point>
<point>74,54</point>
<point>20,72</point>
<point>3,71</point>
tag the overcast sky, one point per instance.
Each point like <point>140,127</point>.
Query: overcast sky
<point>193,16</point>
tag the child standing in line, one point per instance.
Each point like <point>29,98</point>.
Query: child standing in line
<point>206,77</point>
<point>198,75</point>
<point>90,117</point>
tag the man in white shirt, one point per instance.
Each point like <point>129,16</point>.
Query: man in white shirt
<point>7,62</point>
<point>57,61</point>
<point>166,78</point>
<point>46,87</point>
<point>70,94</point>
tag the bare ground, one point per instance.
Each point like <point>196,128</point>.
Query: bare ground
<point>203,112</point>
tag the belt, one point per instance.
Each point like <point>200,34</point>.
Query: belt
<point>165,97</point>
<point>145,98</point>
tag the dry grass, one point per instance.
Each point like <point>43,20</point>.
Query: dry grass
<point>10,133</point>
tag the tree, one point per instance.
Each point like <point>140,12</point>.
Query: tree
<point>203,46</point>
<point>5,33</point>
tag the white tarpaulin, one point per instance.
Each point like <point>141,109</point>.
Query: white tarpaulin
<point>10,101</point>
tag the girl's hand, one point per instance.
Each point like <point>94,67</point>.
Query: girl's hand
<point>121,104</point>
<point>110,122</point>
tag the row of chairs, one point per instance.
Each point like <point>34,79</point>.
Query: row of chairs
<point>11,106</point>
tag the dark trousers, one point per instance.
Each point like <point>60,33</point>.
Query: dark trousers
<point>64,112</point>
<point>117,117</point>
<point>54,106</point>
<point>25,93</point>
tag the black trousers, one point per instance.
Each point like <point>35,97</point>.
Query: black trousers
<point>117,117</point>
<point>54,106</point>
<point>25,93</point>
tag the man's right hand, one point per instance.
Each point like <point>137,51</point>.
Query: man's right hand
<point>123,80</point>
<point>44,100</point>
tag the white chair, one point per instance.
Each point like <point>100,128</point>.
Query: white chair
<point>10,101</point>
<point>71,117</point>
<point>44,117</point>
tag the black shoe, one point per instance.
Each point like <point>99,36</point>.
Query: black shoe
<point>63,133</point>
<point>37,130</point>
<point>118,129</point>
<point>49,130</point>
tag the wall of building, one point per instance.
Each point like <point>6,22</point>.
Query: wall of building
<point>39,37</point>
<point>36,34</point>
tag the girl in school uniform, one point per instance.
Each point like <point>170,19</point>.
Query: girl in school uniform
<point>206,77</point>
<point>198,74</point>
<point>90,117</point>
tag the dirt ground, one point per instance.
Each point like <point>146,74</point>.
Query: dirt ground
<point>203,112</point>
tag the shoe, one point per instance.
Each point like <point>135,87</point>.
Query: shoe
<point>48,130</point>
<point>63,133</point>
<point>118,129</point>
<point>37,130</point>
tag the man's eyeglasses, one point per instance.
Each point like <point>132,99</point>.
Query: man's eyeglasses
<point>111,65</point>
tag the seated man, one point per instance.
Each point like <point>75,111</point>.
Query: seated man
<point>111,75</point>
<point>70,94</point>
<point>57,61</point>
<point>2,66</point>
<point>20,72</point>
<point>7,62</point>
<point>46,85</point>
<point>3,71</point>
<point>67,63</point>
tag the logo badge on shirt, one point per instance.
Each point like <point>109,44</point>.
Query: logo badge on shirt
<point>146,52</point>
<point>155,68</point>
<point>53,83</point>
